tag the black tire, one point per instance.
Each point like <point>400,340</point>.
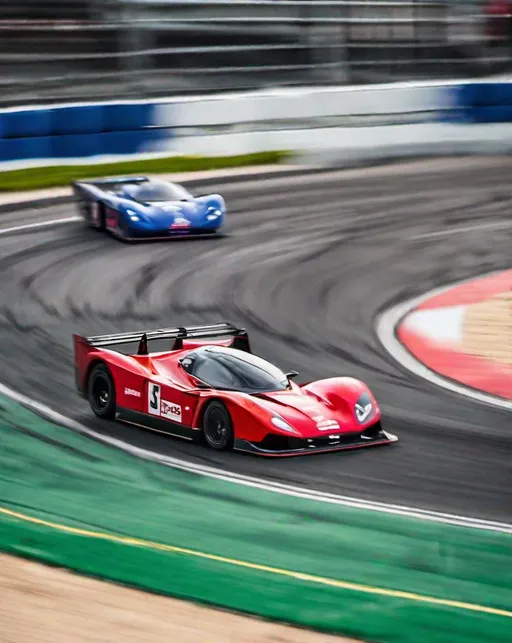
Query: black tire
<point>217,427</point>
<point>84,209</point>
<point>101,392</point>
<point>87,208</point>
<point>101,215</point>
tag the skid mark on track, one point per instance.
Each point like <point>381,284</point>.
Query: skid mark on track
<point>309,265</point>
<point>499,225</point>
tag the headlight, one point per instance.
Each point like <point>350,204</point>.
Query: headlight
<point>133,215</point>
<point>213,214</point>
<point>283,425</point>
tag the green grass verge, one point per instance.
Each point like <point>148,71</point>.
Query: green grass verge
<point>61,175</point>
<point>56,475</point>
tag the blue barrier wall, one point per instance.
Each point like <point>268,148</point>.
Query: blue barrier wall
<point>481,103</point>
<point>211,124</point>
<point>79,131</point>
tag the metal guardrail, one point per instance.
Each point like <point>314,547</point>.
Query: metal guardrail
<point>94,49</point>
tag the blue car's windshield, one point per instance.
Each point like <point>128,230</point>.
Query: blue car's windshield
<point>157,192</point>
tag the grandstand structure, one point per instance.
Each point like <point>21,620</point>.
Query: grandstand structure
<point>70,50</point>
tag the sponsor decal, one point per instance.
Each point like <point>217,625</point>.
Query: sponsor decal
<point>170,410</point>
<point>131,391</point>
<point>323,424</point>
<point>180,222</point>
<point>327,425</point>
<point>154,399</point>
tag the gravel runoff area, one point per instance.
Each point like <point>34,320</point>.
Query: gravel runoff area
<point>488,329</point>
<point>41,603</point>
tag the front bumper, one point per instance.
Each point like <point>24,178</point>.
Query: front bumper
<point>278,445</point>
<point>168,235</point>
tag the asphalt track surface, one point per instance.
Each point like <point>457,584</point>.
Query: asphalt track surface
<point>307,265</point>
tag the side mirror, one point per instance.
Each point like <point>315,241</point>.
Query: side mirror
<point>291,374</point>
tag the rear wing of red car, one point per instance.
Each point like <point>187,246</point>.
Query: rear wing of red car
<point>180,333</point>
<point>85,345</point>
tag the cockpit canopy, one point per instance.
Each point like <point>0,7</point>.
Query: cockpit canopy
<point>155,192</point>
<point>230,369</point>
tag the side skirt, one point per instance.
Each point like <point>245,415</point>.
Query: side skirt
<point>144,421</point>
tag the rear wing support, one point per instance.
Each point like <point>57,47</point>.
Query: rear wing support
<point>223,329</point>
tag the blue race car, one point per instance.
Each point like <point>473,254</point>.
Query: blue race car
<point>138,208</point>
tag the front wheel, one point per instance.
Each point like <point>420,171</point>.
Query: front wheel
<point>217,427</point>
<point>102,393</point>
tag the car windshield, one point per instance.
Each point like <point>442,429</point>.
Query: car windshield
<point>232,369</point>
<point>157,192</point>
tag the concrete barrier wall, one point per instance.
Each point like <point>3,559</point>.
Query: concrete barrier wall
<point>301,104</point>
<point>77,131</point>
<point>367,118</point>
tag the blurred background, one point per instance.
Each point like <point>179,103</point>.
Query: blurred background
<point>98,49</point>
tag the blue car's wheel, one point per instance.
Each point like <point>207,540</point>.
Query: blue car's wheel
<point>94,214</point>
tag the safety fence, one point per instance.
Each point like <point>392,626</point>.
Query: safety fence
<point>299,119</point>
<point>63,50</point>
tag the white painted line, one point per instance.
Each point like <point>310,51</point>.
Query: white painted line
<point>256,483</point>
<point>473,228</point>
<point>41,224</point>
<point>386,325</point>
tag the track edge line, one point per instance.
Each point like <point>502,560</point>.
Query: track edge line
<point>256,483</point>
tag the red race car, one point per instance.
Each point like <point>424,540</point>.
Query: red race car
<point>210,387</point>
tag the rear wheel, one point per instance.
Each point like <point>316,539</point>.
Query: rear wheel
<point>98,215</point>
<point>84,209</point>
<point>93,213</point>
<point>101,392</point>
<point>217,426</point>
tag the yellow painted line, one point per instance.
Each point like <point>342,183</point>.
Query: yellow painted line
<point>319,580</point>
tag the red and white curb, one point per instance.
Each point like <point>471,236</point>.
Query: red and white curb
<point>425,335</point>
